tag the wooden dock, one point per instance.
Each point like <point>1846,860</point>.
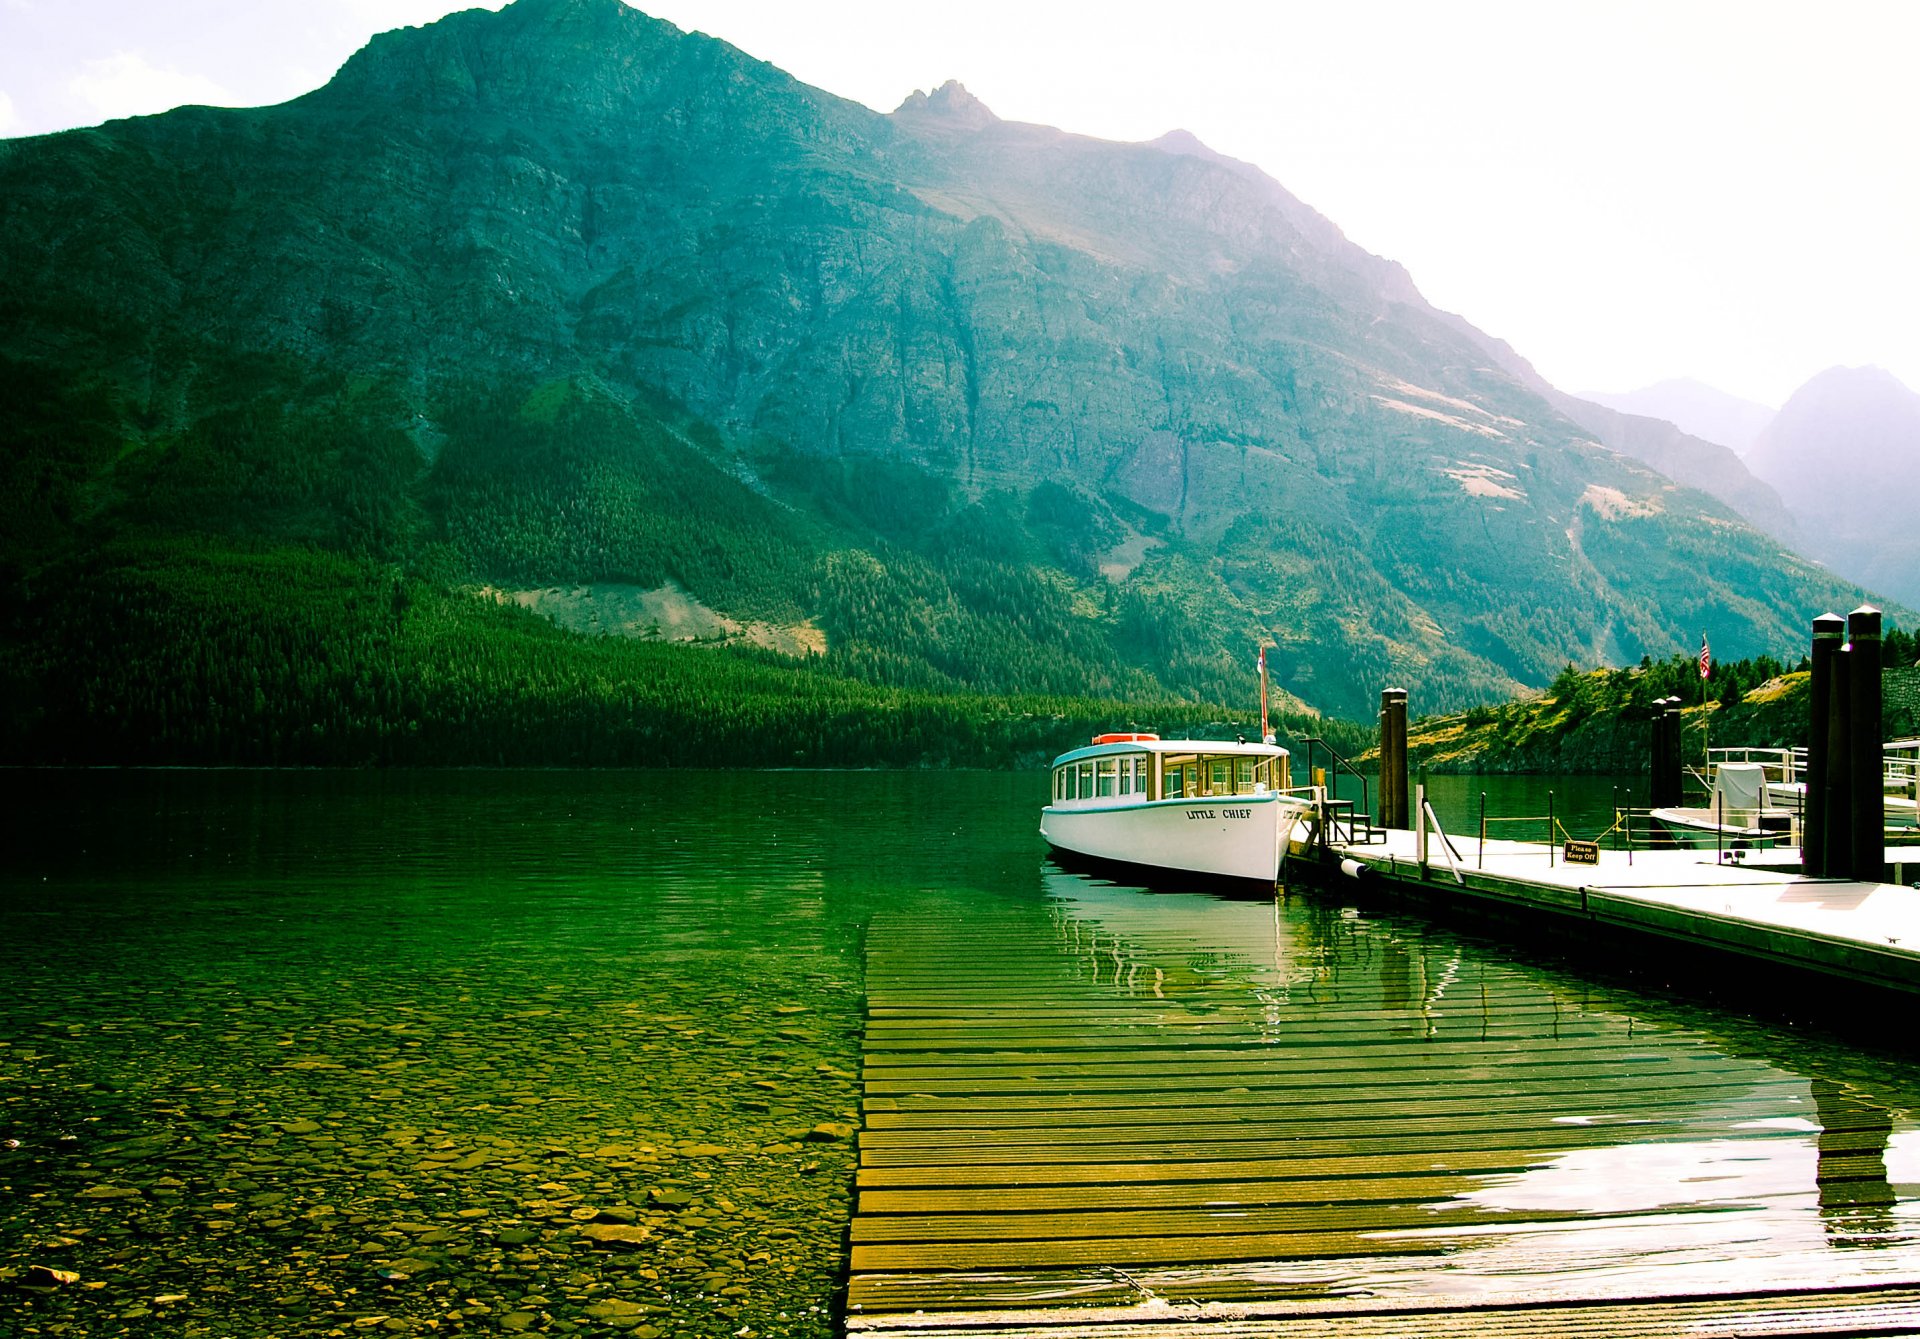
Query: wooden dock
<point>1132,1114</point>
<point>1753,905</point>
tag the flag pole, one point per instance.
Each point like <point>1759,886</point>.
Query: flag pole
<point>1706,724</point>
<point>1266,735</point>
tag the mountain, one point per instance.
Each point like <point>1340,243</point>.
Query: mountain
<point>1695,408</point>
<point>1713,469</point>
<point>1845,451</point>
<point>561,308</point>
<point>1679,455</point>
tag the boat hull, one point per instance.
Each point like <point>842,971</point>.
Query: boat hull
<point>1701,828</point>
<point>1233,837</point>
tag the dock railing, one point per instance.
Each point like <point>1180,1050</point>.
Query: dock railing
<point>1336,765</point>
<point>1903,776</point>
<point>1556,832</point>
<point>1783,766</point>
<point>1336,821</point>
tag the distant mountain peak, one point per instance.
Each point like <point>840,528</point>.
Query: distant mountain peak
<point>535,7</point>
<point>1184,142</point>
<point>1694,407</point>
<point>1869,379</point>
<point>950,103</point>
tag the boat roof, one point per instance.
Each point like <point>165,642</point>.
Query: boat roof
<point>1220,748</point>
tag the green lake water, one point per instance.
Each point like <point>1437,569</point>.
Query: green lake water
<point>540,1052</point>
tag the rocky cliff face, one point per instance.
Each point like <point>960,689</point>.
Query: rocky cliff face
<point>1257,426</point>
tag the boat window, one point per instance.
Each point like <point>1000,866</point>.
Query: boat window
<point>1263,774</point>
<point>1105,769</point>
<point>1172,786</point>
<point>1191,774</point>
<point>1286,774</point>
<point>1085,773</point>
<point>1243,776</point>
<point>1219,776</point>
<point>1126,775</point>
<point>1059,783</point>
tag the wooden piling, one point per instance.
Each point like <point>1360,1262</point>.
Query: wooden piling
<point>1838,842</point>
<point>1815,818</point>
<point>1866,753</point>
<point>1393,758</point>
<point>1665,789</point>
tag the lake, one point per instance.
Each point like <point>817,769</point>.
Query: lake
<point>291,1053</point>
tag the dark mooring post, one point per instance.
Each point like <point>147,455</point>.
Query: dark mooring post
<point>1865,746</point>
<point>1676,767</point>
<point>1393,758</point>
<point>1815,818</point>
<point>1838,839</point>
<point>1664,792</point>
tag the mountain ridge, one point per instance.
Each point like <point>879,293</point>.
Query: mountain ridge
<point>1695,408</point>
<point>561,294</point>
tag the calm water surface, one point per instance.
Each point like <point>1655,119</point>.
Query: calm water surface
<point>294,1053</point>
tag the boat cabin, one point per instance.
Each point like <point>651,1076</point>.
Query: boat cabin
<point>1140,769</point>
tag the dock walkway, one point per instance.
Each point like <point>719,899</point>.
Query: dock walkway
<point>1158,1116</point>
<point>1757,906</point>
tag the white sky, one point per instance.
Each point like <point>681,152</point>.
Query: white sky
<point>1624,190</point>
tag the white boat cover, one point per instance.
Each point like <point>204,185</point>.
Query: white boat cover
<point>1740,786</point>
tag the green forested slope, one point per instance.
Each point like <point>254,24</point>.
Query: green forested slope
<point>164,651</point>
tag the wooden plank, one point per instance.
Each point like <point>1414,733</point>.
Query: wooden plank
<point>1623,1100</point>
<point>1888,1310</point>
<point>1253,1075</point>
<point>1145,1049</point>
<point>1465,1162</point>
<point>1315,1095</point>
<point>1225,1247</point>
<point>985,1143</point>
<point>1175,1194</point>
<point>991,1231</point>
<point>1133,1251</point>
<point>1519,1144</point>
<point>1047,1034</point>
<point>947,1009</point>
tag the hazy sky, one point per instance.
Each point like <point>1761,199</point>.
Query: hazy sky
<point>1624,191</point>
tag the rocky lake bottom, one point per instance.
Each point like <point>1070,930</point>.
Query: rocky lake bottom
<point>300,1055</point>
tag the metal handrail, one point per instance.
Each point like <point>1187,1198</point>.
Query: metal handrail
<point>1312,741</point>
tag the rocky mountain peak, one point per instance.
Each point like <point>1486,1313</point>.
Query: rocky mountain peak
<point>950,103</point>
<point>1185,143</point>
<point>560,56</point>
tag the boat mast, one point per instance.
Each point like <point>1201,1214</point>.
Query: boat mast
<point>1266,735</point>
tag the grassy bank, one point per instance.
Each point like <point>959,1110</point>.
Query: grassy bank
<point>1599,722</point>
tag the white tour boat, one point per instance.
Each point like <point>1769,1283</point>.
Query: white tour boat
<point>1195,806</point>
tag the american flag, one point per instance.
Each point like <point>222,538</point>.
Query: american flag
<point>1706,660</point>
